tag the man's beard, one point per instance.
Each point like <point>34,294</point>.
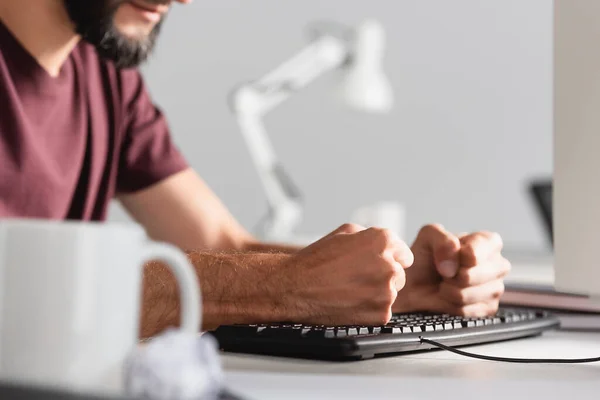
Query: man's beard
<point>94,21</point>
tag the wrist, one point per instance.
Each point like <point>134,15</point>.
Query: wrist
<point>282,303</point>
<point>251,292</point>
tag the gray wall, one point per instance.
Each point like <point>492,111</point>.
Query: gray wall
<point>471,125</point>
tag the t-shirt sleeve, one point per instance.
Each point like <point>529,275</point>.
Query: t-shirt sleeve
<point>148,154</point>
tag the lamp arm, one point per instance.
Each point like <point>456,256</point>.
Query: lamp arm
<point>252,101</point>
<point>322,55</point>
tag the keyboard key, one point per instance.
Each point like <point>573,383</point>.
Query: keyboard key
<point>479,323</point>
<point>375,330</point>
<point>438,327</point>
<point>448,326</point>
<point>341,332</point>
<point>329,333</point>
<point>352,332</point>
<point>363,330</point>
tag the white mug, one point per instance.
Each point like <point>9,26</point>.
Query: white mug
<point>70,299</point>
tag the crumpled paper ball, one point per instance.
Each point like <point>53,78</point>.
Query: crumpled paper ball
<point>175,366</point>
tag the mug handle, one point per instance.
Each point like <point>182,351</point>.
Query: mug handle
<point>189,288</point>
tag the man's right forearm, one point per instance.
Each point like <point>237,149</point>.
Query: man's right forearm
<point>235,287</point>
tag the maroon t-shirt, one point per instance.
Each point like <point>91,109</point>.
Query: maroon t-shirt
<point>68,144</point>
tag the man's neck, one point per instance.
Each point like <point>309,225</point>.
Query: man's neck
<point>43,28</point>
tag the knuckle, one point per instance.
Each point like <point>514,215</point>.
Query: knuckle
<point>496,238</point>
<point>455,295</point>
<point>493,307</point>
<point>380,314</point>
<point>350,228</point>
<point>462,311</point>
<point>493,238</point>
<point>385,298</point>
<point>384,317</point>
<point>391,296</point>
<point>386,266</point>
<point>479,311</point>
<point>469,248</point>
<point>388,273</point>
<point>499,291</point>
<point>460,297</point>
<point>463,298</point>
<point>452,242</point>
<point>469,253</point>
<point>435,227</point>
<point>431,228</point>
<point>464,277</point>
<point>507,266</point>
<point>400,280</point>
<point>384,236</point>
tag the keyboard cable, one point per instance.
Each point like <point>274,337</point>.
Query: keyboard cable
<point>510,360</point>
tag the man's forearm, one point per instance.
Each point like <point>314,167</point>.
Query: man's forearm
<point>259,247</point>
<point>235,287</point>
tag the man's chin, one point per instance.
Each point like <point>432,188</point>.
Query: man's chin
<point>134,31</point>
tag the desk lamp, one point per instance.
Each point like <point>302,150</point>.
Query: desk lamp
<point>357,53</point>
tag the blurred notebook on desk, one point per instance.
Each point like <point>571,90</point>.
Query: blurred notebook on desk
<point>548,298</point>
<point>574,311</point>
<point>531,284</point>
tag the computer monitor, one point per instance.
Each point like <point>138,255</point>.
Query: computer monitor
<point>576,190</point>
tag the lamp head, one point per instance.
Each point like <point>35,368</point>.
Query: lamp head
<point>364,85</point>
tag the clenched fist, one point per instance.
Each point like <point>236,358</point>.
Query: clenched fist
<point>458,275</point>
<point>351,276</point>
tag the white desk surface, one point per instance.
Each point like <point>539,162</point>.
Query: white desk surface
<point>436,374</point>
<point>262,377</point>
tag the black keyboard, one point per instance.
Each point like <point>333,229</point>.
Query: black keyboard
<point>402,334</point>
